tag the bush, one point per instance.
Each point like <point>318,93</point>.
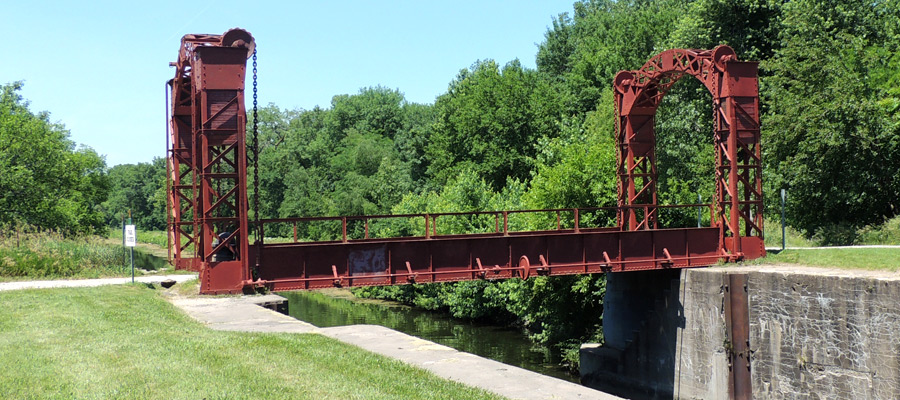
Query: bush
<point>26,252</point>
<point>887,233</point>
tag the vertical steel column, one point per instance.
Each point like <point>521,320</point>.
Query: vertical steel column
<point>734,216</point>
<point>737,336</point>
<point>181,179</point>
<point>209,83</point>
<point>636,156</point>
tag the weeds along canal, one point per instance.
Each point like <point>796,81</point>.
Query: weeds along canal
<point>338,307</point>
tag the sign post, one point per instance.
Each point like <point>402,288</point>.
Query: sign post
<point>131,241</point>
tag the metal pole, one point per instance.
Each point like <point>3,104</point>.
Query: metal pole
<point>132,265</point>
<point>132,249</point>
<point>123,237</point>
<point>783,197</point>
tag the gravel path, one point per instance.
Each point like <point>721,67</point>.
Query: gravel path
<point>91,282</point>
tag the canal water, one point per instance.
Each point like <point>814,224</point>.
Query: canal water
<point>145,261</point>
<point>510,346</point>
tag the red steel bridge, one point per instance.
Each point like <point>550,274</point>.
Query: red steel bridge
<point>210,231</point>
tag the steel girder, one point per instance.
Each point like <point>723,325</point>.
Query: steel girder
<point>736,136</point>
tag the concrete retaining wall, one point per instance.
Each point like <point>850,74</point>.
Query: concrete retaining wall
<point>813,334</point>
<point>825,337</point>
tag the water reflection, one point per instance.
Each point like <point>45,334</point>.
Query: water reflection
<point>147,261</point>
<point>510,346</point>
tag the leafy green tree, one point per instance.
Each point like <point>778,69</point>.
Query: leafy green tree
<point>750,27</point>
<point>489,121</point>
<point>358,157</point>
<point>602,38</point>
<point>578,169</point>
<point>829,139</point>
<point>411,142</point>
<point>140,188</point>
<point>46,180</point>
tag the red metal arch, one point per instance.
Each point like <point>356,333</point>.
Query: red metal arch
<point>735,91</point>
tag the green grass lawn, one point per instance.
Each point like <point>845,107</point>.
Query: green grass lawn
<point>127,342</point>
<point>158,238</point>
<point>884,259</point>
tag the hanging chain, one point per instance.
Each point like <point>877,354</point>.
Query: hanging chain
<point>255,145</point>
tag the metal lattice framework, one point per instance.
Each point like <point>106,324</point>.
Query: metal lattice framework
<point>207,161</point>
<point>208,207</point>
<point>735,91</point>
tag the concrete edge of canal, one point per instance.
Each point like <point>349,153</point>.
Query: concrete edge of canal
<point>257,314</point>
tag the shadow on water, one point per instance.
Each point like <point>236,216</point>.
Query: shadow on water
<point>509,346</point>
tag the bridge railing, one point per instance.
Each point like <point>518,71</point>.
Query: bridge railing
<point>452,224</point>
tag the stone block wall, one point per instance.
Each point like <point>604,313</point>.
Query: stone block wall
<point>819,336</point>
<point>814,334</point>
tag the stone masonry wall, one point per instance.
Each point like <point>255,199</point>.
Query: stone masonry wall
<point>815,335</point>
<point>666,337</point>
<point>701,368</point>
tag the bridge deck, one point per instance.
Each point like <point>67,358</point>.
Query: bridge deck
<point>369,262</point>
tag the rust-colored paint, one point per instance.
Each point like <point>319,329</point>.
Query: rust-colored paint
<point>737,335</point>
<point>432,257</point>
<point>207,191</point>
<point>734,87</point>
<point>207,161</point>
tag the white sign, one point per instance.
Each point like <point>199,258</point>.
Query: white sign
<point>130,236</point>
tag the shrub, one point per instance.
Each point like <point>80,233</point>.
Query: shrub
<point>28,252</point>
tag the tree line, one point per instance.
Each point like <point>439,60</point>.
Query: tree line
<point>542,138</point>
<point>506,136</point>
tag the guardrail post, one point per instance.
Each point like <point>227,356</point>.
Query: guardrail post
<point>344,229</point>
<point>577,222</point>
<point>783,241</point>
<point>505,223</point>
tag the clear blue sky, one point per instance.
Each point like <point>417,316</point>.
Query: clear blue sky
<point>100,67</point>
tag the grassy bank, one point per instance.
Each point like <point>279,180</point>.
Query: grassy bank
<point>886,233</point>
<point>127,342</point>
<point>882,259</point>
<point>157,238</point>
<point>792,237</point>
<point>47,255</point>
